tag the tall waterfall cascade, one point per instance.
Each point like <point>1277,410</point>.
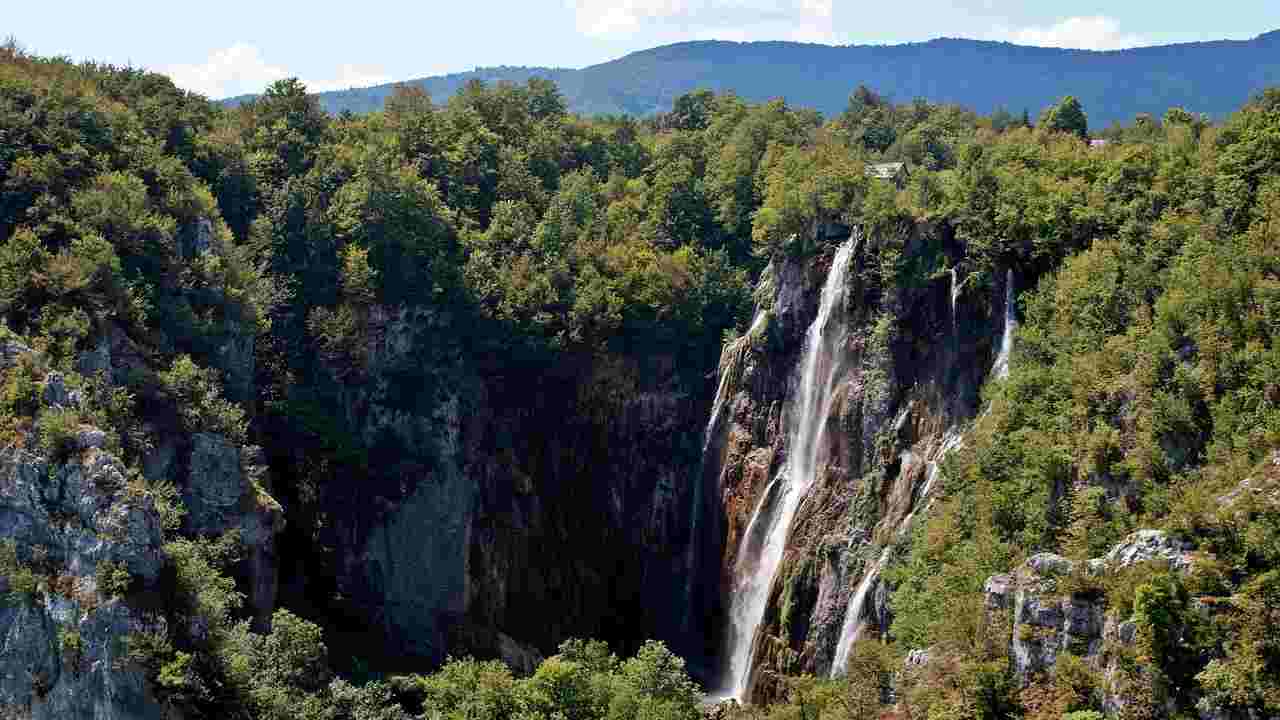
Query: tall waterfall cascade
<point>1000,370</point>
<point>810,402</point>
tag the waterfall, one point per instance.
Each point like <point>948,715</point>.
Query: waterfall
<point>760,550</point>
<point>757,322</point>
<point>1000,369</point>
<point>729,368</point>
<point>955,298</point>
<point>951,439</point>
<point>852,627</point>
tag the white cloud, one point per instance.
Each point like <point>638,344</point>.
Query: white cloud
<point>230,71</point>
<point>241,69</point>
<point>351,76</point>
<point>671,20</point>
<point>1095,32</point>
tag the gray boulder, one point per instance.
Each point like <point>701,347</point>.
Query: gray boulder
<point>1146,546</point>
<point>90,438</point>
<point>1049,565</point>
<point>10,351</point>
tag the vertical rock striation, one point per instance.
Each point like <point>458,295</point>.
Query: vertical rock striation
<point>511,507</point>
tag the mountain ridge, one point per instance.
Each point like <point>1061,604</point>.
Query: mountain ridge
<point>1210,77</point>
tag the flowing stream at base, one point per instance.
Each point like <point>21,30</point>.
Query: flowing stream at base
<point>761,547</point>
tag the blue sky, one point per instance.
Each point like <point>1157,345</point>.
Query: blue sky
<point>227,47</point>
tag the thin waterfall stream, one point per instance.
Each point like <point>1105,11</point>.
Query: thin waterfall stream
<point>853,614</point>
<point>1000,369</point>
<point>761,548</point>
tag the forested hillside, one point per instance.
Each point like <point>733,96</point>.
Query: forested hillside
<point>298,410</point>
<point>1213,78</point>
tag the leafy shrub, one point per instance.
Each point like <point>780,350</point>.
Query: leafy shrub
<point>20,391</point>
<point>198,566</point>
<point>198,394</point>
<point>58,429</point>
<point>114,579</point>
<point>72,646</point>
<point>23,582</point>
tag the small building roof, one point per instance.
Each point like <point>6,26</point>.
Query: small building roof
<point>886,171</point>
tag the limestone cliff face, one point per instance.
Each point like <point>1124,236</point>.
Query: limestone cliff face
<point>915,357</point>
<point>66,520</point>
<point>518,506</point>
<point>1046,620</point>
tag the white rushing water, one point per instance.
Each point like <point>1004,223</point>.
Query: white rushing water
<point>757,322</point>
<point>760,550</point>
<point>1000,369</point>
<point>852,627</point>
<point>955,298</point>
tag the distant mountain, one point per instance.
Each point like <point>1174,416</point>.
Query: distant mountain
<point>1209,77</point>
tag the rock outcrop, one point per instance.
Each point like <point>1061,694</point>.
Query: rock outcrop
<point>1045,622</point>
<point>224,490</point>
<point>77,533</point>
<point>1047,619</point>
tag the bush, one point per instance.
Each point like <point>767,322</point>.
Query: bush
<point>57,431</point>
<point>72,647</point>
<point>198,394</point>
<point>19,397</point>
<point>23,582</point>
<point>114,579</point>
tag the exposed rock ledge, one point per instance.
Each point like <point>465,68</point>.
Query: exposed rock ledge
<point>61,640</point>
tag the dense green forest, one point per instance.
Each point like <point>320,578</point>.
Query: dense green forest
<point>1145,360</point>
<point>1209,77</point>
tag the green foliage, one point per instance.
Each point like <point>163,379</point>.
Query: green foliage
<point>1137,396</point>
<point>283,674</point>
<point>1067,117</point>
<point>804,185</point>
<point>198,564</point>
<point>197,392</point>
<point>653,684</point>
<point>172,234</point>
<point>22,581</point>
<point>1245,677</point>
<point>866,683</point>
<point>20,396</point>
<point>583,682</point>
<point>113,579</point>
<point>72,647</point>
<point>57,432</point>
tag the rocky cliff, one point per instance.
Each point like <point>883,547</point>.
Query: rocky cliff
<point>78,534</point>
<point>513,506</point>
<point>916,352</point>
